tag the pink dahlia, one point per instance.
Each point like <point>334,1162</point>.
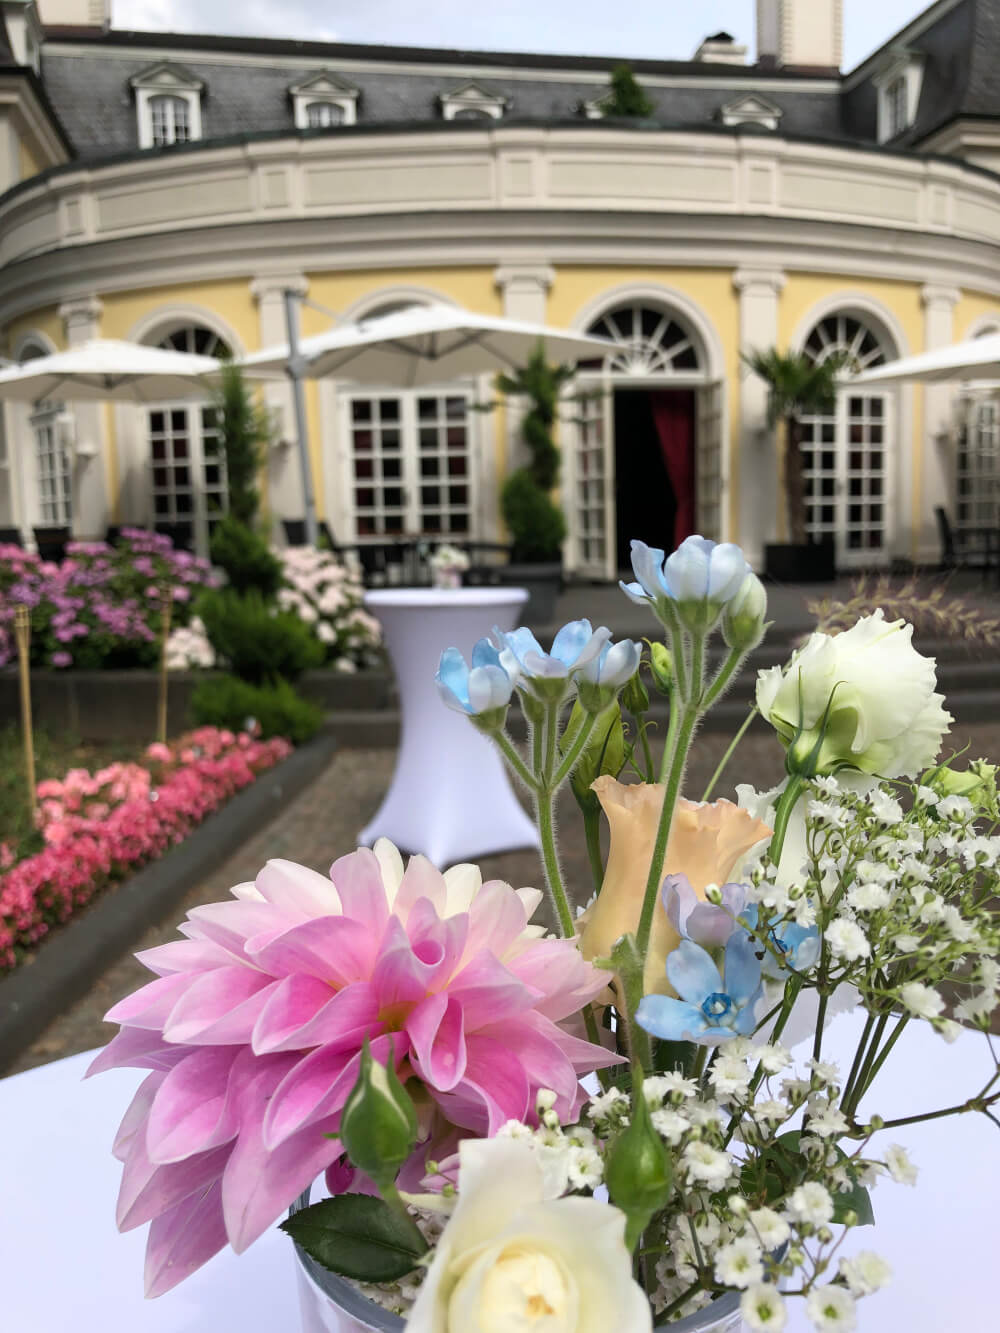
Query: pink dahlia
<point>254,1027</point>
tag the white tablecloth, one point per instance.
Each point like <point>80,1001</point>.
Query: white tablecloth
<point>64,1268</point>
<point>450,796</point>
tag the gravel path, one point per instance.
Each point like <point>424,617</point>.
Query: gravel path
<point>322,824</point>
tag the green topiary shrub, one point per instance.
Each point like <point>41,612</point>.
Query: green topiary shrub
<point>536,524</point>
<point>245,558</point>
<point>244,432</point>
<point>256,642</point>
<point>627,97</point>
<point>227,701</point>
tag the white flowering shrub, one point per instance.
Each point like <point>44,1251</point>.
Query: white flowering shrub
<point>189,649</point>
<point>327,595</point>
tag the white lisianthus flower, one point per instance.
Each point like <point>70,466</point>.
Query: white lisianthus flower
<point>831,1310</point>
<point>511,1257</point>
<point>884,715</point>
<point>763,1309</point>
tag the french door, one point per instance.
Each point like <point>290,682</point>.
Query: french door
<point>410,464</point>
<point>187,471</point>
<point>846,462</point>
<point>977,482</point>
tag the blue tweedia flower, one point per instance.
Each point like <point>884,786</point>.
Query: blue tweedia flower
<point>485,687</point>
<point>699,570</point>
<point>614,666</point>
<point>712,1008</point>
<point>575,645</point>
<point>799,946</point>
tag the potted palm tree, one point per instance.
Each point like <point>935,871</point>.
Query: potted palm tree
<point>798,387</point>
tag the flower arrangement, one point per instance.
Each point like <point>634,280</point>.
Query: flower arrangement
<point>600,1128</point>
<point>448,563</point>
<point>328,596</point>
<point>98,827</point>
<point>102,605</point>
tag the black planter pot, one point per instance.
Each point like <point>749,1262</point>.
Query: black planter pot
<point>788,562</point>
<point>543,582</point>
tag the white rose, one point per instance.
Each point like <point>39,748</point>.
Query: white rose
<point>884,717</point>
<point>512,1258</point>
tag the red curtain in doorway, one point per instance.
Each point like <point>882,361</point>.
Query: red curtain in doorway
<point>674,418</point>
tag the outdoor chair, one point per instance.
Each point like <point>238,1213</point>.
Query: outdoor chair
<point>181,534</point>
<point>11,537</point>
<point>976,548</point>
<point>51,542</point>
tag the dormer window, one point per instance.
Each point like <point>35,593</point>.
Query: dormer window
<point>472,101</point>
<point>324,100</point>
<point>898,87</point>
<point>168,105</point>
<point>751,110</point>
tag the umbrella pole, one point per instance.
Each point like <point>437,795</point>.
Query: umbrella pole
<point>294,371</point>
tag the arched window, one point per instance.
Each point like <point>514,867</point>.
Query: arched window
<point>846,455</point>
<point>170,118</point>
<point>188,467</point>
<point>651,341</point>
<point>321,115</point>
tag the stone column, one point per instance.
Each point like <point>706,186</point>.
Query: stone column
<point>91,509</point>
<point>525,290</point>
<point>756,478</point>
<point>284,479</point>
<point>937,486</point>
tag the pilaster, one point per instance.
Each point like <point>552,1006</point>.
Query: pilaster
<point>756,473</point>
<point>283,477</point>
<point>936,461</point>
<point>525,290</point>
<point>92,506</point>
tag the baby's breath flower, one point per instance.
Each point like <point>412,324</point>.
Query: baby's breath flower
<point>921,1001</point>
<point>885,807</point>
<point>831,1310</point>
<point>670,1125</point>
<point>828,1123</point>
<point>899,1165</point>
<point>958,808</point>
<point>771,1228</point>
<point>811,1202</point>
<point>606,1104</point>
<point>847,940</point>
<point>586,1168</point>
<point>868,897</point>
<point>825,1072</point>
<point>763,1309</point>
<point>740,1263</point>
<point>771,1110</point>
<point>926,796</point>
<point>865,1273</point>
<point>707,1164</point>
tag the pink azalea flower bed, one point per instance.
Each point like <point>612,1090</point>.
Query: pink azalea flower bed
<point>99,827</point>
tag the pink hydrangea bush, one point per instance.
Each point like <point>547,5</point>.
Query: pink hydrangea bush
<point>253,1031</point>
<point>102,605</point>
<point>99,827</point>
<point>327,595</point>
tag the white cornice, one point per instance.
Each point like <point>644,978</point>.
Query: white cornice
<point>742,79</point>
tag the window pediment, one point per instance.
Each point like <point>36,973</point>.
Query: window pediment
<point>167,77</point>
<point>751,110</point>
<point>473,101</point>
<point>168,104</point>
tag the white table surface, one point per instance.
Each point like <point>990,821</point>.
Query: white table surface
<point>65,1269</point>
<point>450,795</point>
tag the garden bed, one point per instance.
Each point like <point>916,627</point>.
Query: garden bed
<point>74,955</point>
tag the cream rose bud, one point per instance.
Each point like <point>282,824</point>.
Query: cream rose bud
<point>513,1258</point>
<point>865,699</point>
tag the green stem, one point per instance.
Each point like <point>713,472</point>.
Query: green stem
<point>850,1102</point>
<point>643,726</point>
<point>724,762</point>
<point>883,1055</point>
<point>974,1104</point>
<point>592,832</point>
<point>550,860</point>
<point>594,1037</point>
<point>722,681</point>
<point>782,815</point>
<point>575,750</point>
<point>858,1056</point>
<point>820,1020</point>
<point>517,765</point>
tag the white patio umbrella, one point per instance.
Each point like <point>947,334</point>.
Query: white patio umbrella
<point>973,361</point>
<point>422,344</point>
<point>103,369</point>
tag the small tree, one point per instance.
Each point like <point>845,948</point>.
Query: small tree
<point>627,96</point>
<point>536,524</point>
<point>245,432</point>
<point>798,387</point>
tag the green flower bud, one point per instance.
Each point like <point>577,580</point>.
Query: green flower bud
<point>662,666</point>
<point>637,1170</point>
<point>604,753</point>
<point>743,622</point>
<point>378,1126</point>
<point>635,696</point>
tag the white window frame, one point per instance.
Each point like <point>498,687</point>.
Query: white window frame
<point>751,111</point>
<point>166,81</point>
<point>171,123</point>
<point>324,88</point>
<point>897,106</point>
<point>473,97</point>
<point>53,466</point>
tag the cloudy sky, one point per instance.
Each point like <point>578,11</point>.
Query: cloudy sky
<point>658,29</point>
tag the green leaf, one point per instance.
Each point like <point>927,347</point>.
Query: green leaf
<point>781,1167</point>
<point>358,1236</point>
<point>857,1201</point>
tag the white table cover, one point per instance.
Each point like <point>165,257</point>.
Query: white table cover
<point>450,796</point>
<point>64,1268</point>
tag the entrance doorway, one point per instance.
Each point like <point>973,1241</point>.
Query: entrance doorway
<point>654,433</point>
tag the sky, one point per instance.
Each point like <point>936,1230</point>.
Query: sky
<point>655,29</point>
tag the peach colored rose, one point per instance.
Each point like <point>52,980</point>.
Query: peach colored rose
<point>706,841</point>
